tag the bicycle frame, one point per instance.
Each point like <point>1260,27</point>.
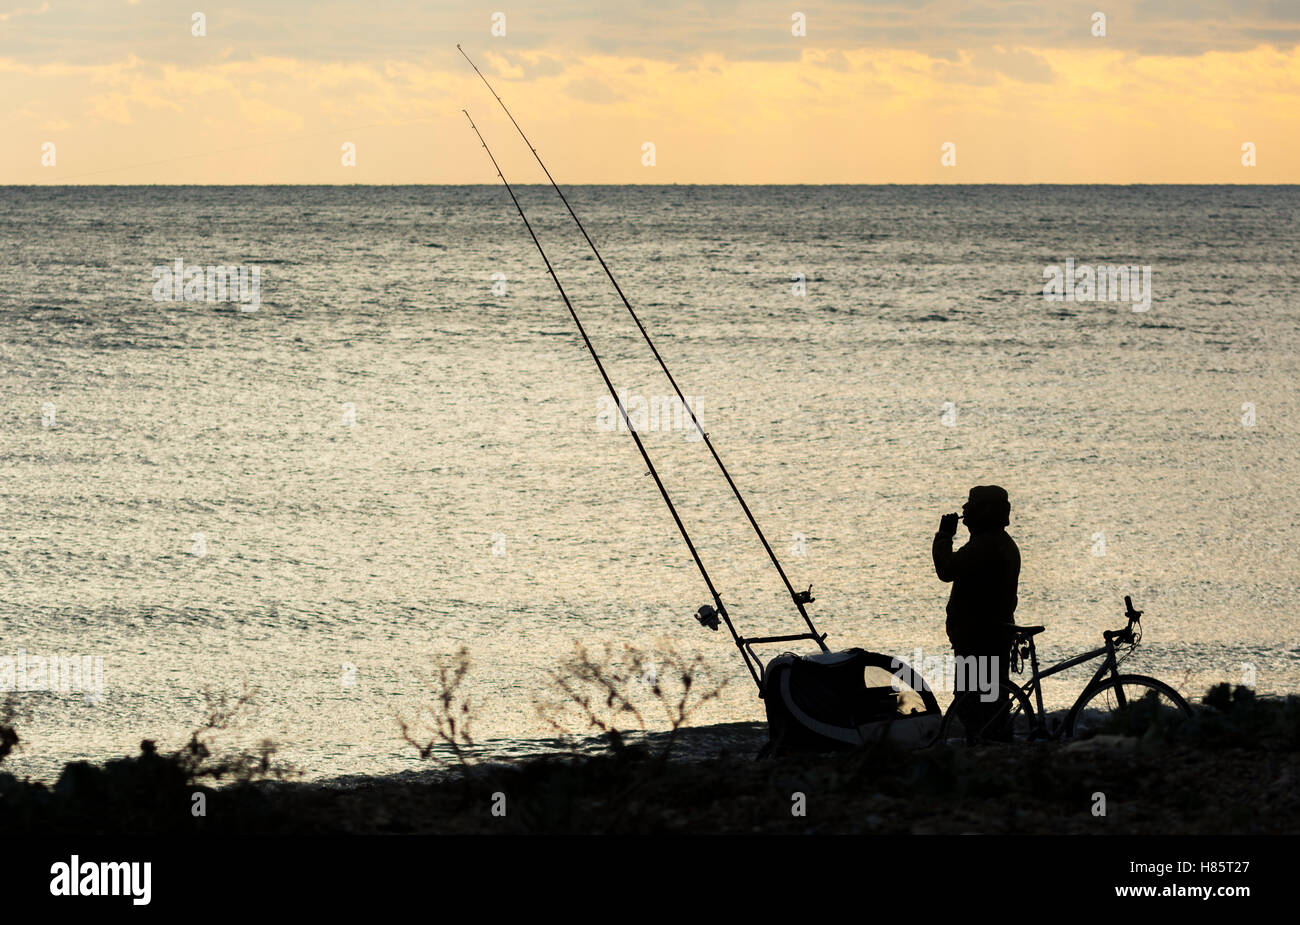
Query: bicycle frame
<point>1034,685</point>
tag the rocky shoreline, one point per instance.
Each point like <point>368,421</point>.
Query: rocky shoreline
<point>1232,769</point>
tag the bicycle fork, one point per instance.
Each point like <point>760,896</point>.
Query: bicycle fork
<point>1038,685</point>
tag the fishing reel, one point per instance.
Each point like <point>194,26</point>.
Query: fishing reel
<point>708,617</point>
<point>804,597</point>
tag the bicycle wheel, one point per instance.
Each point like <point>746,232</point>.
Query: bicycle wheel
<point>966,724</point>
<point>1128,704</point>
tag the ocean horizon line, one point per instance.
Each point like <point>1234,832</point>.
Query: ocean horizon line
<point>646,185</point>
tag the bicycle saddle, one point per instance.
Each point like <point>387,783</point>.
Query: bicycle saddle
<point>1025,630</point>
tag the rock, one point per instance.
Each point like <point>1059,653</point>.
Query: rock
<point>1099,743</point>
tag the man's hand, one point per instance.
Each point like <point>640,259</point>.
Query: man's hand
<point>948,524</point>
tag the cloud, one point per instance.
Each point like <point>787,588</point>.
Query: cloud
<point>1019,64</point>
<point>592,90</point>
<point>835,60</point>
<point>545,35</point>
<point>261,113</point>
<point>724,90</point>
<point>542,66</point>
<point>28,11</point>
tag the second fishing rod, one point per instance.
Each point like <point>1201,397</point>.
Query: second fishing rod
<point>721,610</point>
<point>800,598</point>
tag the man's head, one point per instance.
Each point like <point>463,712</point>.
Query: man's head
<point>987,508</point>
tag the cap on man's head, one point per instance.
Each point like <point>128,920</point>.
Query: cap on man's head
<point>991,504</point>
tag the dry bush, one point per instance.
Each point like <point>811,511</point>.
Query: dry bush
<point>450,715</point>
<point>198,759</point>
<point>612,693</point>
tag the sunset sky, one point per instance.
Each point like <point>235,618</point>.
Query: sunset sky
<point>1025,91</point>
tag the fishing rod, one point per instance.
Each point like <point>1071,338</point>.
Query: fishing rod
<point>717,598</point>
<point>800,598</point>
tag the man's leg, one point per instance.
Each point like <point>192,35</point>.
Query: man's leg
<point>966,695</point>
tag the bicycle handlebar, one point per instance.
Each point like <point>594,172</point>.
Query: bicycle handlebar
<point>1126,634</point>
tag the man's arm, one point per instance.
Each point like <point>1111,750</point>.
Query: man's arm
<point>947,564</point>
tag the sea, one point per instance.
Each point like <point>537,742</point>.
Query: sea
<point>303,497</point>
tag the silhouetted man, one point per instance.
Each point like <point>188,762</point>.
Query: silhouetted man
<point>984,574</point>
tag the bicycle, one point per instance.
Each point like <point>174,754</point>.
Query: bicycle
<point>1108,693</point>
